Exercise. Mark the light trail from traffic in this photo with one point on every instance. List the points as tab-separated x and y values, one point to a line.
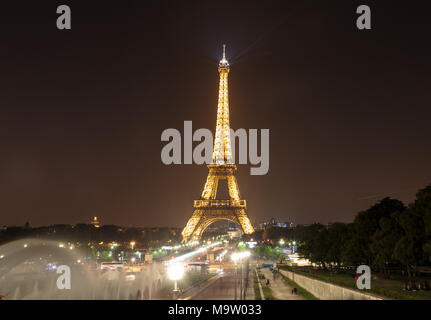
193	253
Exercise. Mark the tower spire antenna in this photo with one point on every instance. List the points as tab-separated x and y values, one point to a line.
223	62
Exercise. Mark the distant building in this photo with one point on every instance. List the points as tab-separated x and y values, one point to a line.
95	222
275	223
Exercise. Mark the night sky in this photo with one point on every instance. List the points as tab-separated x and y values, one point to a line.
82	111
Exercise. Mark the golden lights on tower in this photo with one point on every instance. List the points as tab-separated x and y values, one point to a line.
208	209
95	222
222	153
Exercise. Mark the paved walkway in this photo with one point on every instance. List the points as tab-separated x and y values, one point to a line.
280	289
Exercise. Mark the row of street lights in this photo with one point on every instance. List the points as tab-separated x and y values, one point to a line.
239	257
176	268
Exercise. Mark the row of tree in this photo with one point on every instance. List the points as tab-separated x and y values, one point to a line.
88	233
265	251
388	233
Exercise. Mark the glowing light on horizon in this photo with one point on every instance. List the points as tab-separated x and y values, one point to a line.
240	255
193	253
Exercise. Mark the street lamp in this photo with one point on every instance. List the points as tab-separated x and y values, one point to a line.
235	258
132	244
238	257
175	273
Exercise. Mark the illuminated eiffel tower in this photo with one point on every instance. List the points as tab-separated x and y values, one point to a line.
208	209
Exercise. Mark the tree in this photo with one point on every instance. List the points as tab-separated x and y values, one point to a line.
320	248
322	245
411	248
336	236
384	240
364	226
307	238
422	206
268	252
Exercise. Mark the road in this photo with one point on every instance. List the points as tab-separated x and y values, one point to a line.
223	288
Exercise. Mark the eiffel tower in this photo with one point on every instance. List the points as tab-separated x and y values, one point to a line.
208	209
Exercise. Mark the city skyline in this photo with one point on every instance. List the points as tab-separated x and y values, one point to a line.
211	158
83	110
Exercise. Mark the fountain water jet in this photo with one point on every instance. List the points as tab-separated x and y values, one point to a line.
28	271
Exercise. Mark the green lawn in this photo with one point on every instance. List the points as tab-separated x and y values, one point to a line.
256	289
266	290
301	291
384	287
267	293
